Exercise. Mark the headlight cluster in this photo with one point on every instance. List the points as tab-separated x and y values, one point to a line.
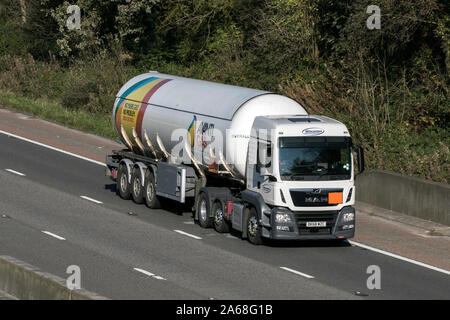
282	218
349	217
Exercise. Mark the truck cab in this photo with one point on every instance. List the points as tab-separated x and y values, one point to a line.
300	174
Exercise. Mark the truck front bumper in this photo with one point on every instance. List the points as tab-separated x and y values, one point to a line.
334	225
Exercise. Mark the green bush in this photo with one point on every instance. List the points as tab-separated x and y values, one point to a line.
389	86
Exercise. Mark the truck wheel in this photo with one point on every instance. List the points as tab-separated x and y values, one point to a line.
122	183
203	211
151	199
253	228
220	224
137	191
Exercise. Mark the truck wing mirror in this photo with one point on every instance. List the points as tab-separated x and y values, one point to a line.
360	159
264	158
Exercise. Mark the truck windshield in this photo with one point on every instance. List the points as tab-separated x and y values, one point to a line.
315	158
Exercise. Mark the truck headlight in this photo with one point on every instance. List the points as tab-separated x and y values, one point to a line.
282	218
349	217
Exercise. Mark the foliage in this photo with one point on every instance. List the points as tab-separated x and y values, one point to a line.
389	86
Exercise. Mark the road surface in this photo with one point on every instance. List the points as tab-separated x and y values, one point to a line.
57	210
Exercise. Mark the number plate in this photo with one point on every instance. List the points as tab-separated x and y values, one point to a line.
315	224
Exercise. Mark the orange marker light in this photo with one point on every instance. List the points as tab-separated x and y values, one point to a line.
335	197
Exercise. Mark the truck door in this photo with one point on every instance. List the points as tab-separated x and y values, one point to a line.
259	166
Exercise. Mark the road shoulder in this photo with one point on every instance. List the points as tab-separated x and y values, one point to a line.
421	240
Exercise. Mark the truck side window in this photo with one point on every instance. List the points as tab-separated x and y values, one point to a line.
267	162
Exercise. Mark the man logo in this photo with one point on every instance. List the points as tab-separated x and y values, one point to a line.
313	131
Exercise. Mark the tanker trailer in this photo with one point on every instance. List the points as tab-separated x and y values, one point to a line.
250	160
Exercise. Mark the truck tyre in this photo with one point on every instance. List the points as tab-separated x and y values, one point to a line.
254	231
220	224
122	183
137	191
204	211
151	199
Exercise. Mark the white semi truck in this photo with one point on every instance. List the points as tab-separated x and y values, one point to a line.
250	160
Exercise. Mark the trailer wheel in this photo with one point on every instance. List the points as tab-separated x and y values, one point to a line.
254	231
151	199
204	210
137	191
220	224
122	183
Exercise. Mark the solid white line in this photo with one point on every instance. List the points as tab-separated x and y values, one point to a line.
187	234
298	273
149	274
92	200
53	235
15	172
51	148
396	256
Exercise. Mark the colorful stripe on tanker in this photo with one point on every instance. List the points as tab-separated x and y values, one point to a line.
132	104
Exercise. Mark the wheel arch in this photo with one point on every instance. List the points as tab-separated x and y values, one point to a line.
263	211
142	167
129	166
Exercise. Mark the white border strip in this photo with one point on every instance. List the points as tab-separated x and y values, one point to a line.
15	172
52	148
298	273
188	234
396	256
90	199
53	235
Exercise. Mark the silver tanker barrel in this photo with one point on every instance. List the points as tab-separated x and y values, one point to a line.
151	106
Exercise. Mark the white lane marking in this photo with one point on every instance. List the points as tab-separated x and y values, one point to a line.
92	200
188	234
52	148
53	235
15	172
396	256
149	274
298	273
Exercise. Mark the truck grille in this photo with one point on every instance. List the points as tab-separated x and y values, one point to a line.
311	197
328	216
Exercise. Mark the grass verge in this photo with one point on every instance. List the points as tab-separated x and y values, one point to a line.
99	124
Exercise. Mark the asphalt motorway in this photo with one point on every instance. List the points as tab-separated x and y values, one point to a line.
57	210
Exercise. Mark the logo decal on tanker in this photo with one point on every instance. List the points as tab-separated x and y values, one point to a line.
313	131
202	129
132	104
191	131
